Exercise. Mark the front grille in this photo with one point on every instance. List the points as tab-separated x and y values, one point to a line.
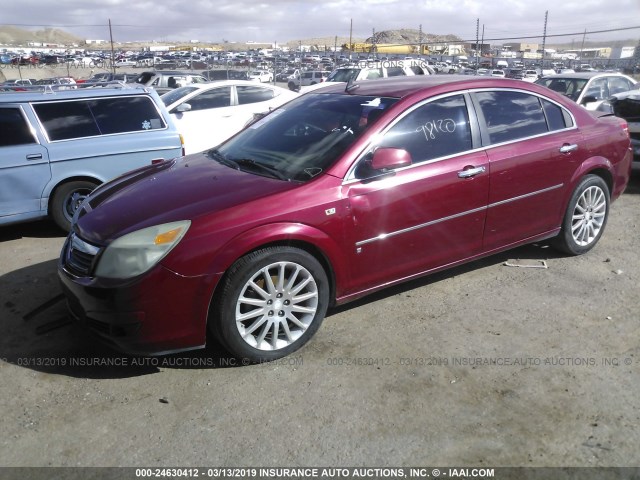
80	256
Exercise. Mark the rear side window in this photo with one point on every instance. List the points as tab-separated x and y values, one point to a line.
557	117
102	116
14	129
374	73
511	115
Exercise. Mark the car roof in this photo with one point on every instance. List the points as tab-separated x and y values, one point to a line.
209	84
399	87
583	75
37	95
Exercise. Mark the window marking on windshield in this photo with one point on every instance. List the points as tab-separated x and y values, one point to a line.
313	171
372	103
434	127
146	125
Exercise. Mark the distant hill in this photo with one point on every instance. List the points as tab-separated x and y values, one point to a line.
20	36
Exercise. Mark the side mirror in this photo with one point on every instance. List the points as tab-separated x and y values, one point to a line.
183	107
386	158
589	99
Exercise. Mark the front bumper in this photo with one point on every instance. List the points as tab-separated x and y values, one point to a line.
157	313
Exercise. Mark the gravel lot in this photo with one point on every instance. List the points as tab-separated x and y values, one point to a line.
484	365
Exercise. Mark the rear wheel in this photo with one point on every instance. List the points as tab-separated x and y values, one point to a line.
272	302
585	218
66	200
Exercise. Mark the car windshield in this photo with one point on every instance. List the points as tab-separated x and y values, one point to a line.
302	139
176	94
571	87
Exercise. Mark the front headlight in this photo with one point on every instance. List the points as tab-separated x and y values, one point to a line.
137	252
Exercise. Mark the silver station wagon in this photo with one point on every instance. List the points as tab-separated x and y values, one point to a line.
57	146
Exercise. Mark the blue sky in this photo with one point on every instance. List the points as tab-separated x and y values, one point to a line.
285	20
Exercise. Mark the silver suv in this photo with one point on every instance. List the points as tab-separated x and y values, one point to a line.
311	77
165	80
367	70
58	146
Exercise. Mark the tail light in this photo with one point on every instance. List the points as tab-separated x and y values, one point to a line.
625	127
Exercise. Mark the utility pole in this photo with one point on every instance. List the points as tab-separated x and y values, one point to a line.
420	46
544	37
113	54
584	35
374	48
350	40
477	46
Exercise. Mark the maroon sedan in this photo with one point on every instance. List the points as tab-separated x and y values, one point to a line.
341	192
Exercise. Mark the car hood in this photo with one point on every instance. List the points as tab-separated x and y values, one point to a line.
181	189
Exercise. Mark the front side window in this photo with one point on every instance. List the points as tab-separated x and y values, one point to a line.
103	116
619	85
14	128
176	94
395	72
436	129
252	94
511	115
214	98
597	89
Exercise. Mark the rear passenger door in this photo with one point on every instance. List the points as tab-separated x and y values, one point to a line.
533	147
24	164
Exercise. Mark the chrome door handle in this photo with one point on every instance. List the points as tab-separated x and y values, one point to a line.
34	156
568	148
470	172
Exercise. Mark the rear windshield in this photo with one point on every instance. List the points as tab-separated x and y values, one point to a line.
98	116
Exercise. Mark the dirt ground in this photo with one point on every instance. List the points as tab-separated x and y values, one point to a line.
484	365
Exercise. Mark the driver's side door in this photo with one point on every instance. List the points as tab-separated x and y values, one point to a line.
426	215
207	123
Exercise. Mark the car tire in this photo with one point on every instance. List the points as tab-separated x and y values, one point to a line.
66	200
292	86
585	218
270	303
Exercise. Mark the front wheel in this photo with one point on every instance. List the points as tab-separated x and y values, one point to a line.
66	200
585	218
271	303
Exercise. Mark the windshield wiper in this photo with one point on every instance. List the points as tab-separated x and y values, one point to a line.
252	163
216	155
